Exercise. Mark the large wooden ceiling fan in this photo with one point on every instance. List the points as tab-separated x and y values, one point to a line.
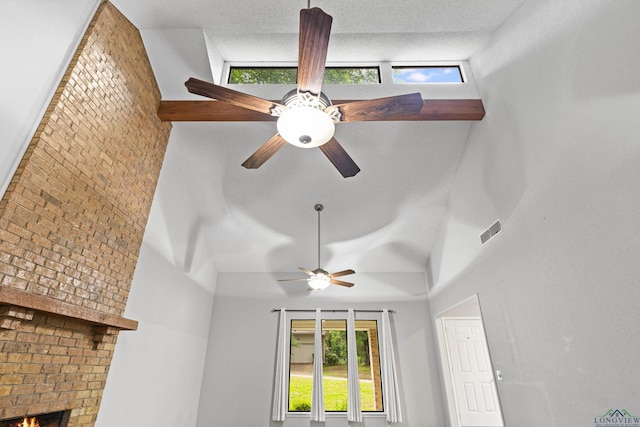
306	116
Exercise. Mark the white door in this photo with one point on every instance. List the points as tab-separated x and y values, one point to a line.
473	383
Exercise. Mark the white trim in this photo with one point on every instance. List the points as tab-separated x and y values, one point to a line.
280	394
446	373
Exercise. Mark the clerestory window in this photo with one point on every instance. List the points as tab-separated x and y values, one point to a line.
426	75
289	75
354	75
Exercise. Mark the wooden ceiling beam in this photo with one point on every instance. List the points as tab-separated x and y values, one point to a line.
216	111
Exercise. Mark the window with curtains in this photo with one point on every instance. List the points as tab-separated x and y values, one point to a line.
335	363
334	357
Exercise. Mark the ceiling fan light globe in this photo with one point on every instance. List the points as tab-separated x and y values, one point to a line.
305	127
319	282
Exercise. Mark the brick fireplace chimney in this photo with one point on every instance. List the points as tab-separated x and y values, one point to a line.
71	226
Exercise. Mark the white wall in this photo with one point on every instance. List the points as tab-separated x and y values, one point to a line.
37	40
557	159
238	379
156	372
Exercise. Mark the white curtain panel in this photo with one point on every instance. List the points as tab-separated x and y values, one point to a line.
280	382
391	392
317	391
354	414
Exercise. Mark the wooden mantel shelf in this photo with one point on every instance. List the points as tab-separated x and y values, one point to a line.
17	305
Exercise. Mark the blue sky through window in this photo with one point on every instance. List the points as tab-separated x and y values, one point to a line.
446	74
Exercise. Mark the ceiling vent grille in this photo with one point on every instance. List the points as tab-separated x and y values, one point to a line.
490	232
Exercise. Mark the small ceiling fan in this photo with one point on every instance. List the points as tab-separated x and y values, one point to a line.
320	279
306	116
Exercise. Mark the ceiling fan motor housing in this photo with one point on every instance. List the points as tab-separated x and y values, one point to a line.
293	98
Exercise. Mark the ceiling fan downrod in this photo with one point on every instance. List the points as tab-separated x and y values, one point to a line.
318	208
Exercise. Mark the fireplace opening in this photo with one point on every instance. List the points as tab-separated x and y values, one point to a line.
52	419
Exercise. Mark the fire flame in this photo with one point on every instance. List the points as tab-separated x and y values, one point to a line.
29	422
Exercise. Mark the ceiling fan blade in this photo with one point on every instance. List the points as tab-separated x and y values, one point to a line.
341	273
302	279
339	157
233	97
341	283
265	152
315	29
379	109
306	270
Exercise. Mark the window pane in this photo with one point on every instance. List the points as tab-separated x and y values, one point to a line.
263	75
301	365
446	74
369	365
351	75
334	365
288	75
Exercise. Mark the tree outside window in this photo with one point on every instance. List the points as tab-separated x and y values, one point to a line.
289	75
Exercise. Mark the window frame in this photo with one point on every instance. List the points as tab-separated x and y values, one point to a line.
329	315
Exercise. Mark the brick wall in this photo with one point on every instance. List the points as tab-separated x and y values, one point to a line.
72	222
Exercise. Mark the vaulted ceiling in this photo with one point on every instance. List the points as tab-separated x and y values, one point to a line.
209	209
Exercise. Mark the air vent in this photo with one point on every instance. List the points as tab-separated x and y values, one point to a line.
490	232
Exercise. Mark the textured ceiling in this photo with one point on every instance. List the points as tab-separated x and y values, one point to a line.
412	30
209	209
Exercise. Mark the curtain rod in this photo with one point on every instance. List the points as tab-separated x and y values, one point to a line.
275	310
